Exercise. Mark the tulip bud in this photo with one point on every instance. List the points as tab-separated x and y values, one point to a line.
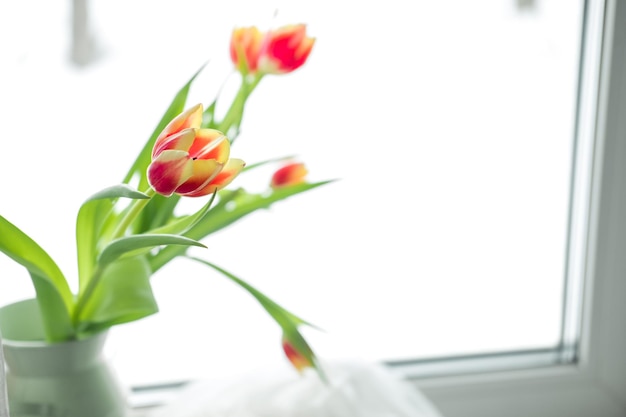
278	51
291	174
298	359
191	161
285	49
245	45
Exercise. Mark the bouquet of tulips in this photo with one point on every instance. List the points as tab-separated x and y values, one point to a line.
126	233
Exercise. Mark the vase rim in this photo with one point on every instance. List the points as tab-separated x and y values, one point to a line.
41	342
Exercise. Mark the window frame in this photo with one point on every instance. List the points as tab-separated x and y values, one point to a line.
594	384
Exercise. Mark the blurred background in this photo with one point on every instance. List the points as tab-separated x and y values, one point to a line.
449	126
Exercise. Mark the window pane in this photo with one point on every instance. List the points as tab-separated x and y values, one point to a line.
449	126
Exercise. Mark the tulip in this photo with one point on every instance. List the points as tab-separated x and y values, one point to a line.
245	46
291	174
278	51
191	161
285	49
298	358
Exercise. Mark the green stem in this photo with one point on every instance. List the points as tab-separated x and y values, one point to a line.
235	112
134	209
86	295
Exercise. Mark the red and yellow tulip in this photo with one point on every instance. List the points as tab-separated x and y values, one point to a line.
278	51
191	161
291	174
299	360
245	46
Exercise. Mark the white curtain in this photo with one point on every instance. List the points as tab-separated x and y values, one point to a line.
354	389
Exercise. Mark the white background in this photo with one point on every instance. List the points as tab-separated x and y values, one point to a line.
449	127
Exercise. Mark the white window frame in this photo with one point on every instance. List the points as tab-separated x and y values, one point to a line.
595	383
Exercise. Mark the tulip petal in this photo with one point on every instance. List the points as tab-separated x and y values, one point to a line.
290	174
285	49
169	170
210	144
204	170
245	45
228	173
190	118
298	351
181	141
303	51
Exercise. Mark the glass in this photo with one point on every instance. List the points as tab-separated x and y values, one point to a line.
449	125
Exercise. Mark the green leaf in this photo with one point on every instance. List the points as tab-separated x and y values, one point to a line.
208	117
124	245
89	225
124	295
117	191
55	317
267	161
184	223
288	321
53	292
123	248
158	212
176	107
242	203
233	205
280	314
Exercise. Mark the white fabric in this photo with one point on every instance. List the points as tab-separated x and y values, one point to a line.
355	389
4	402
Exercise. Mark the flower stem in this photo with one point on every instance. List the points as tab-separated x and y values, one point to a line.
134	209
235	112
86	295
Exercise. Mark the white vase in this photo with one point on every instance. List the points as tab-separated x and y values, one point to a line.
67	379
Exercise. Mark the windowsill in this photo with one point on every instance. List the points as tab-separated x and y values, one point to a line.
143	399
565	390
359	387
554	391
